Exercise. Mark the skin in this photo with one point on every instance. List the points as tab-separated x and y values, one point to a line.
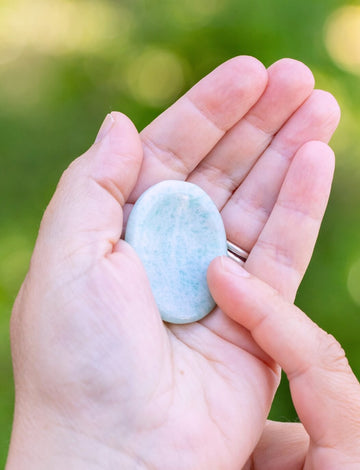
324	389
101	381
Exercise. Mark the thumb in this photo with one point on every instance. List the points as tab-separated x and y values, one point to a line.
85	213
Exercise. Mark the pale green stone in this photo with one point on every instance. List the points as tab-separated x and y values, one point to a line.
176	230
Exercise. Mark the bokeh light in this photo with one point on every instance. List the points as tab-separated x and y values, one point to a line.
342	37
60	27
155	76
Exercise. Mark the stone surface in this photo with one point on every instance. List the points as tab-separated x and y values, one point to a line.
176	230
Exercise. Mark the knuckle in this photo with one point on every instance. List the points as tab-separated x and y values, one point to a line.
333	356
72	169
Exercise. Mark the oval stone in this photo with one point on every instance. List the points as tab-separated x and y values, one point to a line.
176	230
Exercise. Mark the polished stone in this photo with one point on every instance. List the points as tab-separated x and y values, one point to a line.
176	230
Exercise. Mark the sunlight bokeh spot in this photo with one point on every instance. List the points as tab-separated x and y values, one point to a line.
155	77
353	282
60	27
342	37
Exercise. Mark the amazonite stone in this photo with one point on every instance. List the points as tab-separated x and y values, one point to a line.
176	230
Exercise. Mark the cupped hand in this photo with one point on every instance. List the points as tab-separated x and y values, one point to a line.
100	380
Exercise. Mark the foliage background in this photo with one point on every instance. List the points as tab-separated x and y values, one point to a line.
65	64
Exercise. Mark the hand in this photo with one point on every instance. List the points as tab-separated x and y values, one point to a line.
100	379
325	392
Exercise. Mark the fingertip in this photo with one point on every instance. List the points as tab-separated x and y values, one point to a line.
328	108
232	267
293	71
125	134
123	120
224	278
316	161
115	158
248	66
249	63
332	102
319	150
105	128
214	265
229	91
117	131
224	265
213	272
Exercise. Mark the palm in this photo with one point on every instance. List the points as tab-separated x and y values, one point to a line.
204	388
190	384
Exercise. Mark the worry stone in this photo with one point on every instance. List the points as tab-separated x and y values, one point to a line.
176	230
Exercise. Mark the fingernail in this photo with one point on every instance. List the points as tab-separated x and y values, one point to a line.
105	128
233	267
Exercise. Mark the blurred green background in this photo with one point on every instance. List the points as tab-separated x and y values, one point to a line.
65	64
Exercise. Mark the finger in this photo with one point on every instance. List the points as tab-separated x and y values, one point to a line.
184	134
247	211
219	174
230	331
284	248
325	392
85	213
283	446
